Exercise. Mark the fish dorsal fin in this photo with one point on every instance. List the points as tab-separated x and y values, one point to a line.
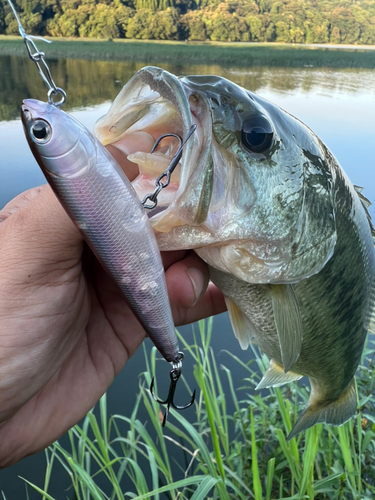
243	329
288	323
336	412
275	376
366	203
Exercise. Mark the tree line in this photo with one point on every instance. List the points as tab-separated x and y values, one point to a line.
295	21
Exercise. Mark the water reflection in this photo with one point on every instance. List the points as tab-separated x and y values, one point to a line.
338	105
92	82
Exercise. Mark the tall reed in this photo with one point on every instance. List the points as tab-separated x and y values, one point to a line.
221	456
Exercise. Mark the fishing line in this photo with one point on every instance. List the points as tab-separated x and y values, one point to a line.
38	58
162	181
150	201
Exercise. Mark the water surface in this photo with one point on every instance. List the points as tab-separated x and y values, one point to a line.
338	105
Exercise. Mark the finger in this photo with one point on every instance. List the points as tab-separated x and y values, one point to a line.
187	282
211	303
170	258
38	215
187	279
19	202
38	238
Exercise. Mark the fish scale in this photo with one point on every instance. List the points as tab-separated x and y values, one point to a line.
288	238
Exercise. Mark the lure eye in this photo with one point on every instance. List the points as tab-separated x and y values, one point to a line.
40	132
257	134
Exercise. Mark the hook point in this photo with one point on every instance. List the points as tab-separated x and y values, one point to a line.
174	376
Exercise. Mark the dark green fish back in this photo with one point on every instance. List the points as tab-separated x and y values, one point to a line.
334	302
336	307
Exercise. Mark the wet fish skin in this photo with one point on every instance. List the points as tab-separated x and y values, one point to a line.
318	215
100	200
286	235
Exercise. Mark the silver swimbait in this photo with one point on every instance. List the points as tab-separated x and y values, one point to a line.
100	200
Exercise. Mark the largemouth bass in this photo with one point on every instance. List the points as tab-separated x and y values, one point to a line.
100	200
262	200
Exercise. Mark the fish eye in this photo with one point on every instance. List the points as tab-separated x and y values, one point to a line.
40	132
257	134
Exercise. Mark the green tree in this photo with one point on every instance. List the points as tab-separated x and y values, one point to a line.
228	27
32	23
297	21
282	32
72	22
317	34
139	25
271	32
368	35
193	27
2	18
124	14
335	35
296	35
349	28
151	5
165	25
103	22
256	28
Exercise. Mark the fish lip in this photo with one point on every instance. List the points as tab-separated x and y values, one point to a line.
175	92
165	83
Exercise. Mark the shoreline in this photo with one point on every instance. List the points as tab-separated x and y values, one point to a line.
224	53
199	43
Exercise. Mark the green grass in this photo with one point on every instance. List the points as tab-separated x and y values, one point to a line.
221	456
245	54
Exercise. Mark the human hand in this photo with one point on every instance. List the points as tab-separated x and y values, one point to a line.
65	329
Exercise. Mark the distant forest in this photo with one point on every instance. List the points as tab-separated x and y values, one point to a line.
295	21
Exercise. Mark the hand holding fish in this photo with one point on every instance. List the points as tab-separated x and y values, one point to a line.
65	329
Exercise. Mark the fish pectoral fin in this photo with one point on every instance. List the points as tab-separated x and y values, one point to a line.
243	329
288	323
275	376
336	412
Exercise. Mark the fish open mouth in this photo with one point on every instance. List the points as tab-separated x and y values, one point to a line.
154	103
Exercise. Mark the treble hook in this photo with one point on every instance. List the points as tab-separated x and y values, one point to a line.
174	375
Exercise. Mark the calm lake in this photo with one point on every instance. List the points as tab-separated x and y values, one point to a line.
338	105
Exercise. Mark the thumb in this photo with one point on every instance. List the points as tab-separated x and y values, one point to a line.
37	236
19	202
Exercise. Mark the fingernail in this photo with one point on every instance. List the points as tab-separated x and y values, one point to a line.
197	280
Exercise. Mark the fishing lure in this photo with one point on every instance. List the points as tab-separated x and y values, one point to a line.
100	200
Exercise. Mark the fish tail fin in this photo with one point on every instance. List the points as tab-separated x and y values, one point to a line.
336	412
